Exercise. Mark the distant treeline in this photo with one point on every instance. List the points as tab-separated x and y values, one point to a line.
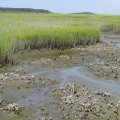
5	9
83	13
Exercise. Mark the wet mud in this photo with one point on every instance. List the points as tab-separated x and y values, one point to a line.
82	83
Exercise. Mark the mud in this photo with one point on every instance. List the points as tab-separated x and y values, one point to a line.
74	84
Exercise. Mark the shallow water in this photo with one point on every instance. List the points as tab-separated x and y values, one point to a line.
78	74
82	75
118	45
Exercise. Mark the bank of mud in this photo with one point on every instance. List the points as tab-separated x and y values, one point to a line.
79	83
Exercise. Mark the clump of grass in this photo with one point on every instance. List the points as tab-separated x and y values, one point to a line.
57	37
112	27
47	37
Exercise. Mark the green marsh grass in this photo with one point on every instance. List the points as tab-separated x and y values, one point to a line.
23	31
45	37
114	27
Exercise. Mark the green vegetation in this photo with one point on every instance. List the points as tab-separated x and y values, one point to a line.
111	28
29	31
30	10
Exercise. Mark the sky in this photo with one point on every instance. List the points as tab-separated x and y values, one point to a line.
67	6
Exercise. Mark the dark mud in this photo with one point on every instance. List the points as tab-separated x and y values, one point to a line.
76	84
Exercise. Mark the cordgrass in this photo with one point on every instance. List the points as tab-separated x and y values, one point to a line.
45	37
23	31
111	28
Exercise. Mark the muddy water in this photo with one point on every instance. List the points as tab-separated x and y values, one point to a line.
52	71
78	74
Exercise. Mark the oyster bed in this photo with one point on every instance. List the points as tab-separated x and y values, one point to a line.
79	102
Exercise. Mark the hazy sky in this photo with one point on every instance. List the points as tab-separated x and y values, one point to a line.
67	6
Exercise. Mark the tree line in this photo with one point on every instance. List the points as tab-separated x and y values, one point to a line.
5	9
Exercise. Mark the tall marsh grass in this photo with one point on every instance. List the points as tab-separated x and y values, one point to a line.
46	37
114	27
23	31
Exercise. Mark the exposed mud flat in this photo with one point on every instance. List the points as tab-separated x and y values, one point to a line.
79	83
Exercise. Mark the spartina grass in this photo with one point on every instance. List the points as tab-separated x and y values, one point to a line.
111	28
49	38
